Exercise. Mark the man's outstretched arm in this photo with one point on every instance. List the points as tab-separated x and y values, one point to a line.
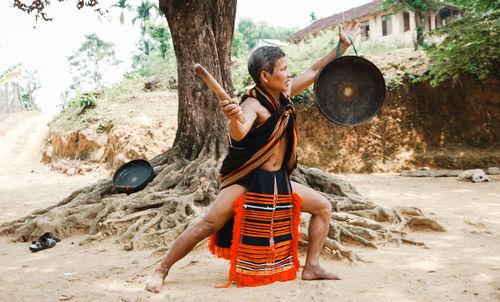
305	79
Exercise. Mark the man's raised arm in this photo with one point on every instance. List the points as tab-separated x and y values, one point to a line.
305	79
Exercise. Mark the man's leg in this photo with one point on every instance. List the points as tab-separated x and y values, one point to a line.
220	212
320	209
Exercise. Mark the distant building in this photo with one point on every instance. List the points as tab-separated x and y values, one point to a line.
379	24
267	42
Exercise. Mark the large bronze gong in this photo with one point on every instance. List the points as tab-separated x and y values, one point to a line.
349	90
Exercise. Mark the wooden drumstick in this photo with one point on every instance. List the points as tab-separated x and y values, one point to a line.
212	83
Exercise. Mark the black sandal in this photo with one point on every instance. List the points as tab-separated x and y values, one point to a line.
50	236
47	240
35	247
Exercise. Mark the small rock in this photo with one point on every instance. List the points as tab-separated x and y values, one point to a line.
476	294
127	246
135	262
493	170
152	83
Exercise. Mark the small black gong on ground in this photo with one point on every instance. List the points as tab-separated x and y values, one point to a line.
349	90
133	176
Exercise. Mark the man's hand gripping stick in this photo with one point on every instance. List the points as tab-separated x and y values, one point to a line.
212	83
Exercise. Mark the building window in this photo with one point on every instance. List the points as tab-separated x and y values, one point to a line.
365	27
406	20
386	25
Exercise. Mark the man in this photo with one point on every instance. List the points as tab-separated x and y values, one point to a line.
261	240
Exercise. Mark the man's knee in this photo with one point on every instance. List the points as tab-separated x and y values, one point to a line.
324	209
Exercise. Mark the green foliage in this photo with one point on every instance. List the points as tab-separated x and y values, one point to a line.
476	7
154	62
91	59
313	17
301	56
156	56
81	101
87	100
28	81
28	84
161	35
470	45
123	5
78	112
143	14
242	81
248	33
130	84
411	5
240	46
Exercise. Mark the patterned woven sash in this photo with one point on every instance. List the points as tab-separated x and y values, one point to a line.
256	148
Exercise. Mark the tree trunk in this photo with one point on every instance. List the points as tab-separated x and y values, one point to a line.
419	42
202	33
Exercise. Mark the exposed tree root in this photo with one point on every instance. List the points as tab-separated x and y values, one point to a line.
180	195
357	219
426	222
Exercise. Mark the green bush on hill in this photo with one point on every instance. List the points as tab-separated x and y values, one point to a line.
471	45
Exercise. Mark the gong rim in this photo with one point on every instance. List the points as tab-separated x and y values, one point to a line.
369	72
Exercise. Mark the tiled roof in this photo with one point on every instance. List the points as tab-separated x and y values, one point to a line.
328	22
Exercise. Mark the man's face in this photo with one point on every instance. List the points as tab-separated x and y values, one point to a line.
280	79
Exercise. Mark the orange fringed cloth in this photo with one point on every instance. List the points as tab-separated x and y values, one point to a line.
265	232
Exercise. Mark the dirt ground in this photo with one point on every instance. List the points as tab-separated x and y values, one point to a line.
462	264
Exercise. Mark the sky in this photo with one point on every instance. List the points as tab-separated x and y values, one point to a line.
45	46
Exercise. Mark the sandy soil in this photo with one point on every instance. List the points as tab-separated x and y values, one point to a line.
462	264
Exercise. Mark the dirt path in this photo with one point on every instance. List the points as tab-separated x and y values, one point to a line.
21	136
462	264
27	183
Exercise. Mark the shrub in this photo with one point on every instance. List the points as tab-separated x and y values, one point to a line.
471	45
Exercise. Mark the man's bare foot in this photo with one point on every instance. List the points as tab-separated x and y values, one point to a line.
155	282
317	272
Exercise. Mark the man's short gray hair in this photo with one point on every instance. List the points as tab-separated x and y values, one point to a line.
263	59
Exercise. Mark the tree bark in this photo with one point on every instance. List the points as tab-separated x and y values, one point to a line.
202	33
